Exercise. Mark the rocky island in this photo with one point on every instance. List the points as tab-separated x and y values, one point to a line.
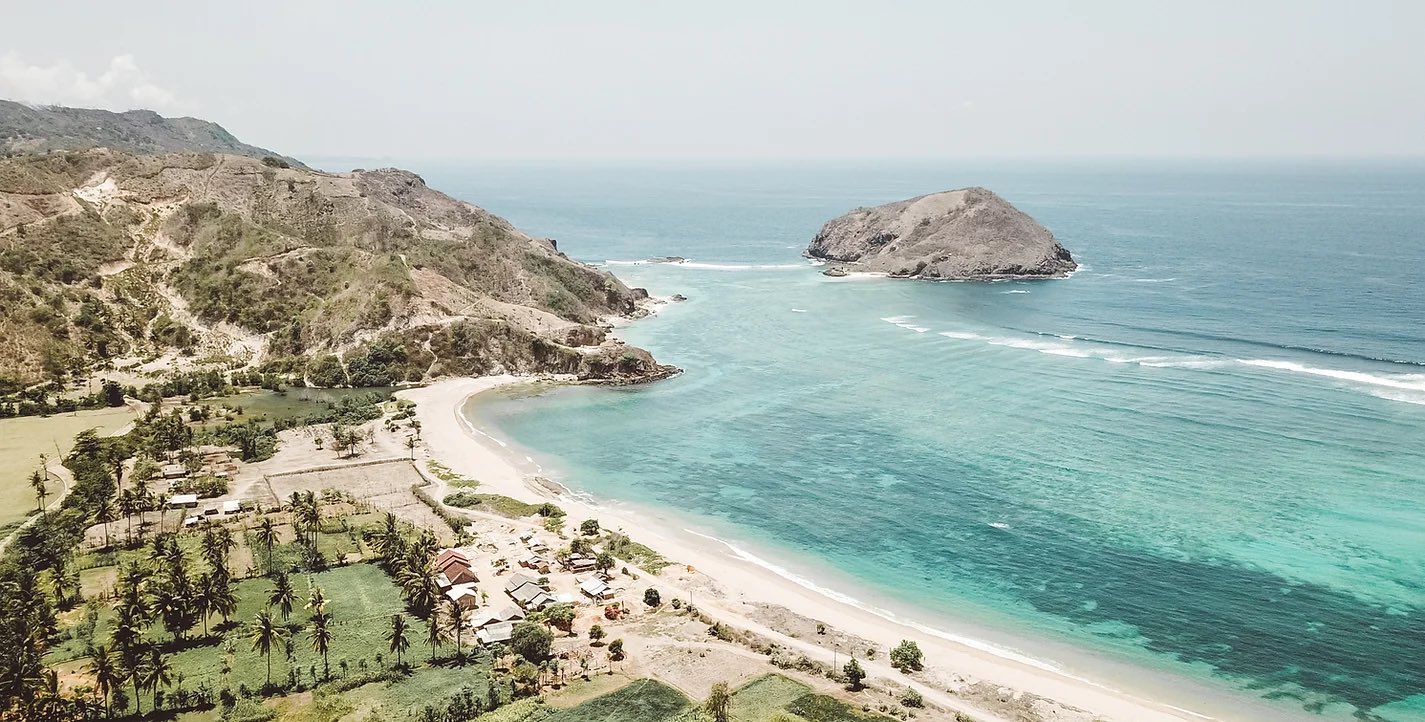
965	234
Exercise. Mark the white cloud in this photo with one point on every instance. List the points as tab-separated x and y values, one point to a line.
123	85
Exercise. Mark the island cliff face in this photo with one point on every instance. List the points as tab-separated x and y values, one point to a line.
964	234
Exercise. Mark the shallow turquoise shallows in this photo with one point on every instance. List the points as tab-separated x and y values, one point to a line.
1206	449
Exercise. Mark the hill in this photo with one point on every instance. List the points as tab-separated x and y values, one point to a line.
110	256
36	129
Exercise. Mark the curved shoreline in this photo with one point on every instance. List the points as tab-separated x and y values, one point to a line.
457	443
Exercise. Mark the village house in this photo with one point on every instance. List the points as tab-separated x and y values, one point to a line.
496	633
595	588
507	613
464	595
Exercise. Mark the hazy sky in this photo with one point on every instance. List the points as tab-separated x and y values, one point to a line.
608	79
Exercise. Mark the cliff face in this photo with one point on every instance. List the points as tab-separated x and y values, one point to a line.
969	233
36	129
110	256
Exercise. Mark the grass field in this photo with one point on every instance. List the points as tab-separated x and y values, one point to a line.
293	403
22	441
644	700
762	698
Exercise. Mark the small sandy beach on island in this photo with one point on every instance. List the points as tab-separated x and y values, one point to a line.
736	591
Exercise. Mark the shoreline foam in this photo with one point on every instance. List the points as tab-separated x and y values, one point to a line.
457	442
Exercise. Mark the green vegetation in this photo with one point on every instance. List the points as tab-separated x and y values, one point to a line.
824	708
765	696
443	472
622	547
493	503
907	657
643	700
23	440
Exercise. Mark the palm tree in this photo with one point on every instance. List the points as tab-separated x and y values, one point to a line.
421	588
456	622
128	504
105	514
157	673
37	482
221	598
317	601
433	633
106	675
397	637
266	634
322	639
411	445
281	595
267	536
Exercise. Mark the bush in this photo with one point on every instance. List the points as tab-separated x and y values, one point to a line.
907	657
651	597
912	698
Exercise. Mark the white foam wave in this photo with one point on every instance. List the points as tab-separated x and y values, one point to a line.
799	310
1401	382
1017	290
1154	280
904	322
886	614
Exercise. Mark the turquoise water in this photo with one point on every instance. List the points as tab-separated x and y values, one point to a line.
1208	445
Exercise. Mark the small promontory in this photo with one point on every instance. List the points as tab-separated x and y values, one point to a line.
966	234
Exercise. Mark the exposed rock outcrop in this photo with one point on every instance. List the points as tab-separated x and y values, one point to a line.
969	233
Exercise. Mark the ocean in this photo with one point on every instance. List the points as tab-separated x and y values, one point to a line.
1203	453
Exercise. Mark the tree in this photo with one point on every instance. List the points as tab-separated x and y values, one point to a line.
106	513
433	633
221	598
37	482
719	699
281	595
396	638
596	632
107	675
266	634
651	597
590	527
266	536
322	639
907	657
616	649
531	641
456	622
561	616
157	673
854	674
605	562
411	446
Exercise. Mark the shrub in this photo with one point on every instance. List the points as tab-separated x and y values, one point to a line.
651	597
907	657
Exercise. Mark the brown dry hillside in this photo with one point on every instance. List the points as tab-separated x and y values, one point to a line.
107	254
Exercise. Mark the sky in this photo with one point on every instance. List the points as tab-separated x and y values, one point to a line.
733	80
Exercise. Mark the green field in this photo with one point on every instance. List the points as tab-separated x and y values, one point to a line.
22	441
293	403
762	698
644	700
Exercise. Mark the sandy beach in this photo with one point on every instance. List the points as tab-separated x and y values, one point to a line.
734	589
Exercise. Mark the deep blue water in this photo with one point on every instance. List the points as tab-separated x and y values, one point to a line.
1208	445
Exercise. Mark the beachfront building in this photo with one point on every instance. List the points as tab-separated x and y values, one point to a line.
580	564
